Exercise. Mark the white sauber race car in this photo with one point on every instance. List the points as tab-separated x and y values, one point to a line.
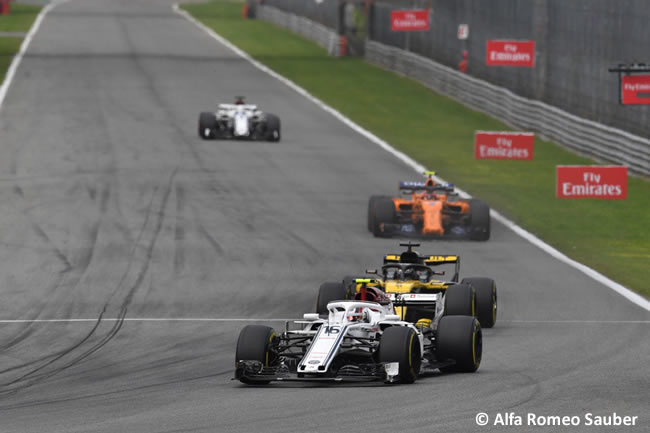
361	340
239	121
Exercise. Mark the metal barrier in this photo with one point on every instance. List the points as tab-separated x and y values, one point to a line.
323	36
583	136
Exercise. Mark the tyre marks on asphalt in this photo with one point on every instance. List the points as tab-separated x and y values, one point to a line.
34	371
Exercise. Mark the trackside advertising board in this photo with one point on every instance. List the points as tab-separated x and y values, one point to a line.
635	89
510	53
414	20
592	181
504	145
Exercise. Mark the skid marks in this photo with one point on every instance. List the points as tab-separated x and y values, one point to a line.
35	371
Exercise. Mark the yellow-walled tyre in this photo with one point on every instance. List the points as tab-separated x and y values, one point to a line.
459	338
401	344
486	300
254	344
460	300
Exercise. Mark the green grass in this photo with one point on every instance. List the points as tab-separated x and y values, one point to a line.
610	236
8	47
20	18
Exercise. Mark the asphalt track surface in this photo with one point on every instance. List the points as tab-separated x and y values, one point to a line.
111	208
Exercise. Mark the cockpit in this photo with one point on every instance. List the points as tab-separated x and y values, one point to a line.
407	272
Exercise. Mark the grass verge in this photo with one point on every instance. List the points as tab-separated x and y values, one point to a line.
610	236
20	19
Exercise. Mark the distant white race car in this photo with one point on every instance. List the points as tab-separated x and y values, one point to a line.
360	341
239	121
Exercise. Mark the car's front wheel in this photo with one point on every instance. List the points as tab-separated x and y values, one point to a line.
207	126
254	344
401	344
459	338
486	300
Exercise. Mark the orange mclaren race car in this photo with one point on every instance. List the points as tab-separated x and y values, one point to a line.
429	209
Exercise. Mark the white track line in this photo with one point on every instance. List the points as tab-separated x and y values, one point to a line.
257	319
148	319
577	321
618	288
11	72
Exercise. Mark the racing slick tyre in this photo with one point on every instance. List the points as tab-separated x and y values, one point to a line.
329	292
401	344
272	127
384	214
459	338
207	126
254	344
486	300
479	220
371	209
460	300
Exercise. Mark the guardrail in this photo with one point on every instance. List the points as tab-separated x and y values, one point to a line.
583	136
323	36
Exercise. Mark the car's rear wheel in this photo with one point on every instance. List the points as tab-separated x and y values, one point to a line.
254	344
385	213
329	292
371	209
272	127
207	126
486	299
459	338
401	344
460	300
479	220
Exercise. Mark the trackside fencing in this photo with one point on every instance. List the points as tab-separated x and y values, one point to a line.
580	135
323	36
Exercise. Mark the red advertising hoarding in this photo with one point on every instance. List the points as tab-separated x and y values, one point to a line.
504	145
635	89
592	181
413	20
510	53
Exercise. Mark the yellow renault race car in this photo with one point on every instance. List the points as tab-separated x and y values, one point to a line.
411	272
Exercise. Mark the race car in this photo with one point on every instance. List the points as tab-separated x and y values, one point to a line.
239	121
432	210
359	340
413	273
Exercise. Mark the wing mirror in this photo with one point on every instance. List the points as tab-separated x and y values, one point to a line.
371	271
311	316
438	272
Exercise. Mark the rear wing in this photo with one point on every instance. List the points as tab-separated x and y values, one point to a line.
445	260
233	106
440	260
431	261
422	186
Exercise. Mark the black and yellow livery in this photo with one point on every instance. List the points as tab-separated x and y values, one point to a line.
411	272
